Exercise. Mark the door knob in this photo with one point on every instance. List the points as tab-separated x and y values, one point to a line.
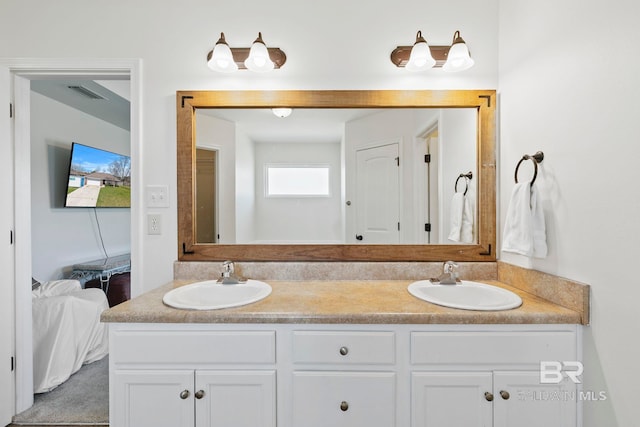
505	394
344	406
199	394
359	237
344	351
184	394
488	396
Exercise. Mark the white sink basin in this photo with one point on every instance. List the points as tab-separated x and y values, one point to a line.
210	295
466	295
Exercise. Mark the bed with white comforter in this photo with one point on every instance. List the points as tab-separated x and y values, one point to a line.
67	332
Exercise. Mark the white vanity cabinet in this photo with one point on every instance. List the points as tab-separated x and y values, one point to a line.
491	378
185	378
308	375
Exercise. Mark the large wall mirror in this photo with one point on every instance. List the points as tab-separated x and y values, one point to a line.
347	176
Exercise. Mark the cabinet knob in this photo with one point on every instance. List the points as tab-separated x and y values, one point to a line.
505	394
199	394
344	406
184	394
344	351
488	396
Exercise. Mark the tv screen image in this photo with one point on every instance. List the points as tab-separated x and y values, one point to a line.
98	178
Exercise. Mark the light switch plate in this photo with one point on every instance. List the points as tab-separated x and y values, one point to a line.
157	196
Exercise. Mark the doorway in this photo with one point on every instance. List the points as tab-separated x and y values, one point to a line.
15	86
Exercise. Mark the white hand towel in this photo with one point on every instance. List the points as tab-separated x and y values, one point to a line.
461	221
456	209
466	230
524	227
539	227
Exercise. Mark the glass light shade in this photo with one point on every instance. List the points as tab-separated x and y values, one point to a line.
420	57
282	112
259	60
458	58
221	58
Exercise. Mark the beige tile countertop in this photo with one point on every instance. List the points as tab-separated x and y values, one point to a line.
340	301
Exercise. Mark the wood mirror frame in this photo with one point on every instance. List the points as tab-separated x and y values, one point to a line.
483	100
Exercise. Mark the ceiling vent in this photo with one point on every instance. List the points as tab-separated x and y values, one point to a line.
86	92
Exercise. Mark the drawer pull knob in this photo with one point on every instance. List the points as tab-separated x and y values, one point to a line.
505	394
344	351
344	406
199	394
488	396
184	394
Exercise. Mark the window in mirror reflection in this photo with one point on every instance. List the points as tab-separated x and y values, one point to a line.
298	181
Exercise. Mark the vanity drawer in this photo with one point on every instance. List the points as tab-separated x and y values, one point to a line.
344	399
194	347
452	348
343	347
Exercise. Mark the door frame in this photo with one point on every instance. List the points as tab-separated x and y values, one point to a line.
421	192
15	76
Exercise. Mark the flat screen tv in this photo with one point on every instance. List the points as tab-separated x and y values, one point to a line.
98	179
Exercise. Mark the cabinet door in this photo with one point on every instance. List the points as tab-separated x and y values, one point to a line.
153	399
343	399
451	399
532	404
235	398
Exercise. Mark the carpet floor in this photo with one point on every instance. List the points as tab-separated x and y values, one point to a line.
81	400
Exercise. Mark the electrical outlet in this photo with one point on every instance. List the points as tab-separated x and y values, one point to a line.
157	196
154	224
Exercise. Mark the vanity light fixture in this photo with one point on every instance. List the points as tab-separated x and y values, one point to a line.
421	56
258	57
282	112
458	58
220	58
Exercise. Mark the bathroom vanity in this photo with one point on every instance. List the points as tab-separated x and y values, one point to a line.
341	353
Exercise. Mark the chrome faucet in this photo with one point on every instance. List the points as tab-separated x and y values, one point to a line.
449	274
228	276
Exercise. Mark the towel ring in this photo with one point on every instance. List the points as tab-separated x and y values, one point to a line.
467	177
536	158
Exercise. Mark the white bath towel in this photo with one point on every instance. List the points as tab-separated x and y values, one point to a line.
461	221
524	227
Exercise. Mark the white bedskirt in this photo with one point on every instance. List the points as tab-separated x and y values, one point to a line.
67	332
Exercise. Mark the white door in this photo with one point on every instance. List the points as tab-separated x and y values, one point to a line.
451	399
235	398
6	261
162	398
522	401
377	196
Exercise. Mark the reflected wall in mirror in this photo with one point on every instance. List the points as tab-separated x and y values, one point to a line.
388	175
377	199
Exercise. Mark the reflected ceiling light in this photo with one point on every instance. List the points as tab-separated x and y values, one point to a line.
282	112
458	58
258	58
421	56
221	58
